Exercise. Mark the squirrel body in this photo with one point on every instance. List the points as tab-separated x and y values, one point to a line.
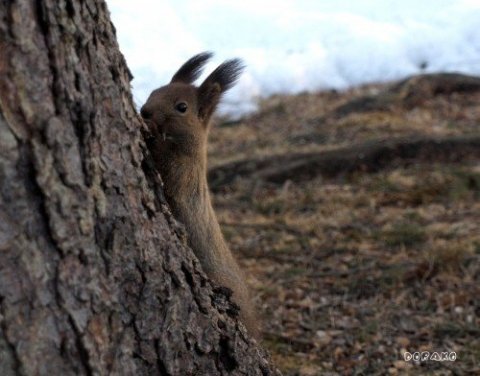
178	118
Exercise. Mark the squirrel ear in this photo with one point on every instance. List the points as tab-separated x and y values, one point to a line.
208	98
192	68
217	83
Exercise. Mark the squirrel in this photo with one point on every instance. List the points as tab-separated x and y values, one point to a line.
178	117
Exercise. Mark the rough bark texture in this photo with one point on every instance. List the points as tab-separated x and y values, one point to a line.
94	275
369	156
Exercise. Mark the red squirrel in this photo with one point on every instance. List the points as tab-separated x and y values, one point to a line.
178	117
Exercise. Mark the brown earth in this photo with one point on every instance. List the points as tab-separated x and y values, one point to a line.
351	267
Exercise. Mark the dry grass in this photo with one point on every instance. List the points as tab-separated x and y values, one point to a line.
350	273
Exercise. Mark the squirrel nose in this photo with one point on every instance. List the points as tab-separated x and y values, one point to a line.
146	114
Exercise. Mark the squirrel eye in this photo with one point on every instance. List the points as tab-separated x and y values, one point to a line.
181	107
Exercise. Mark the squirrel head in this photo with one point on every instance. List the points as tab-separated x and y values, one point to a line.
178	114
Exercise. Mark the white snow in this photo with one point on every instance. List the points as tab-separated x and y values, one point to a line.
290	46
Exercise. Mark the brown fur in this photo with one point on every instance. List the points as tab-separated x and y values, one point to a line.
178	144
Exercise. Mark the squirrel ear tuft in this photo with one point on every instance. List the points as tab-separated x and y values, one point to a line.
226	75
217	83
192	68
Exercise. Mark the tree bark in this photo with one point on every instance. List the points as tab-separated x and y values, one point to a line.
95	276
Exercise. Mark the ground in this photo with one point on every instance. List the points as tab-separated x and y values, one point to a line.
350	272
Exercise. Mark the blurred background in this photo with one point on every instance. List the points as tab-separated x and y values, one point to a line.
345	167
293	46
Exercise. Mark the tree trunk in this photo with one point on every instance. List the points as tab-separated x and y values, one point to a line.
95	277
